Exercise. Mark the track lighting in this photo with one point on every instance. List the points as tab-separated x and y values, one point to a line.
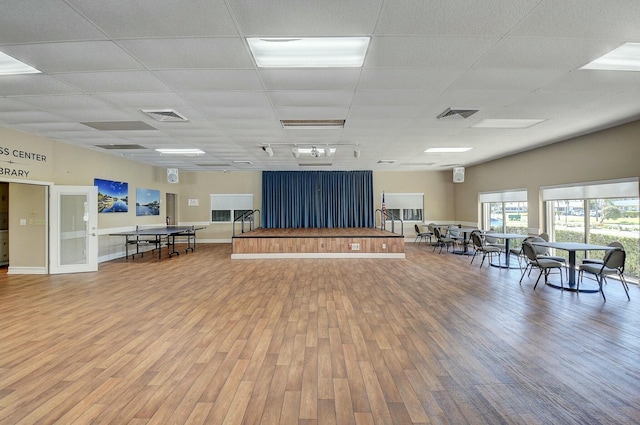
268	150
296	152
356	153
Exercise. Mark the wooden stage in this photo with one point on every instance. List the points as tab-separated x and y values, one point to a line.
318	243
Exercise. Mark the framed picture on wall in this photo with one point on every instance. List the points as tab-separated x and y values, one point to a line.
112	196
147	202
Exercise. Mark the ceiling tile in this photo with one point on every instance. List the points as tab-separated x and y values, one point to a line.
211	79
254	99
311	98
158	18
283	17
189	53
37	21
408	78
432	52
33	84
454	17
115	81
589	19
310	79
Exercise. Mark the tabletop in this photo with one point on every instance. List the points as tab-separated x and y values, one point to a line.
573	246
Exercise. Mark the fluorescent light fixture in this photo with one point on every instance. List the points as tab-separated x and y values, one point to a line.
12	66
624	58
507	123
312	124
447	150
180	151
309	52
386	161
243	162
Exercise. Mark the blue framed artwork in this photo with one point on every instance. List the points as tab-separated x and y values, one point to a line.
112	196
147	202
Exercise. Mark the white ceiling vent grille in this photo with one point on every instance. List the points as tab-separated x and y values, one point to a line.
165	115
456	113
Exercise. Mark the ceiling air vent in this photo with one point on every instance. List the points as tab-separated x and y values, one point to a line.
165	115
120	147
456	113
212	165
315	164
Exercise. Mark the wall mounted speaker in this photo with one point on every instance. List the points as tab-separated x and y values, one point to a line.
458	174
172	175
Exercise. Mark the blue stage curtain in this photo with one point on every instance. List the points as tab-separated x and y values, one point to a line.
312	199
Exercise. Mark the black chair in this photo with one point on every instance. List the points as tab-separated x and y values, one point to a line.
479	245
420	235
613	264
613	244
543	252
442	241
545	265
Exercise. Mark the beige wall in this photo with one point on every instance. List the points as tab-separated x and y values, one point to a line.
604	155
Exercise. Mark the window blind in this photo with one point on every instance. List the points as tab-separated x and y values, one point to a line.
243	201
627	188
518	195
404	200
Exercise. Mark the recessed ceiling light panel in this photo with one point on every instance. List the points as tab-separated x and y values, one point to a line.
312	124
309	52
447	150
12	66
624	58
187	152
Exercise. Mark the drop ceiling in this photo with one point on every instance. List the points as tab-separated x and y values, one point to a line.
108	62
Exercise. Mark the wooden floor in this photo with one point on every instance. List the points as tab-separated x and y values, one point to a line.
202	339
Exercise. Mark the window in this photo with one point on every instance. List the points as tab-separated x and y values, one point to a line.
225	206
405	206
505	211
596	213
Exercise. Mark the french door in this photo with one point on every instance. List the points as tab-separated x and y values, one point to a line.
73	241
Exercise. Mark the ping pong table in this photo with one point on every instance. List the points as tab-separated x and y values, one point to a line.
157	237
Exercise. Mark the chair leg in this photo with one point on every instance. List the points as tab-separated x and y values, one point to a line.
524	272
561	280
600	279
538	279
624	285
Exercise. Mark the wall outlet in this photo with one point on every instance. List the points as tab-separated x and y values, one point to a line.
384	246
354	246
